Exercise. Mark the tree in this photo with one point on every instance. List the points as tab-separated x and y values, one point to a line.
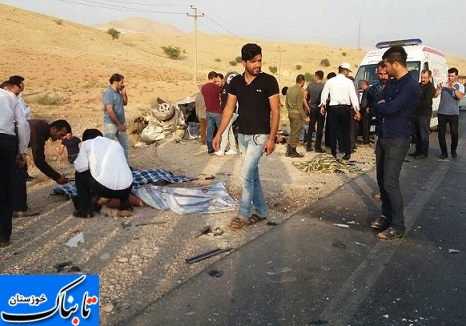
325	63
114	33
172	52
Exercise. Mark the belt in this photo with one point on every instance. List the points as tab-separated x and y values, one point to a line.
343	106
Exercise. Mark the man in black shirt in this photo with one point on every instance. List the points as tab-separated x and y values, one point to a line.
257	94
423	116
72	144
313	91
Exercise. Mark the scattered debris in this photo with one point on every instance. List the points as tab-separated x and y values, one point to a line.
73	242
453	251
206	255
386	316
271	223
207	230
351	222
279	270
341	225
67	267
215	273
211	177
338	243
360	244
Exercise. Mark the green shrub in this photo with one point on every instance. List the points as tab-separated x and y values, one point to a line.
49	100
309	77
218	60
298	67
58	21
114	33
343	54
238	59
273	69
172	52
325	63
232	63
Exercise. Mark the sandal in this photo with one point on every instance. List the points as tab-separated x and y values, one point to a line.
389	234
238	223
380	223
254	219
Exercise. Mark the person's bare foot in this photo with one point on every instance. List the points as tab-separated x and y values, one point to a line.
124	213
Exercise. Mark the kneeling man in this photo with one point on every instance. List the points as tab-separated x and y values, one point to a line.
101	169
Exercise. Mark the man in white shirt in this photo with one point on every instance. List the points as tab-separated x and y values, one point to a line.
101	169
343	99
11	150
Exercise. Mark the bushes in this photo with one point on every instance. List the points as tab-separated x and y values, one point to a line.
233	63
114	33
49	100
273	69
298	67
309	77
218	60
173	52
325	63
238	59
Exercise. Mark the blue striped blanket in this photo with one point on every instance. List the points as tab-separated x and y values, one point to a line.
140	178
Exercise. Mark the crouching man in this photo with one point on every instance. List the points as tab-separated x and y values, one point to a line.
101	169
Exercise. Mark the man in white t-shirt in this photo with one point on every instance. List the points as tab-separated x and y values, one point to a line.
101	169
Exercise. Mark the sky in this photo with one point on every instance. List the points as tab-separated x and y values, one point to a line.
337	22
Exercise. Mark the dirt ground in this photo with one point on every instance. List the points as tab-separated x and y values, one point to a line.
142	257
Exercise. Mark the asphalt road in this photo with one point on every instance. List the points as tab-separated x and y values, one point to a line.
309	271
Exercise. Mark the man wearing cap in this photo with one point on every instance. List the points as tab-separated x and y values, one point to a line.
343	99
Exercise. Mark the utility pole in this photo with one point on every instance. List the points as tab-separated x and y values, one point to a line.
359	35
195	16
280	50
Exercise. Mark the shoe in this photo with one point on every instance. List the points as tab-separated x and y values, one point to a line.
380	224
26	213
4	244
219	153
346	157
295	154
320	150
421	156
82	214
443	156
210	151
231	152
454	155
416	153
288	150
389	234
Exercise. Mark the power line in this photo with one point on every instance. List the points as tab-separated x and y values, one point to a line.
107	6
213	21
146	4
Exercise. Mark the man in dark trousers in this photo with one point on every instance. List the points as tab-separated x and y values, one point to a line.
423	116
41	131
313	92
397	107
211	93
343	99
71	143
13	149
101	169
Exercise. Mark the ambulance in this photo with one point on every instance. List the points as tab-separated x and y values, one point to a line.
420	57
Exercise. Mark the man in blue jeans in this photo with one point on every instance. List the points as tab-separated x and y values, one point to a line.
257	94
211	93
449	111
396	110
114	100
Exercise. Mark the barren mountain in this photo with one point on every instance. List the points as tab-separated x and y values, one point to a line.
140	25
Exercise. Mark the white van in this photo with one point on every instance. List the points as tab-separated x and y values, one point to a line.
420	57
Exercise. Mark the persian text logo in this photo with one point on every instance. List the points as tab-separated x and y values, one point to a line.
49	299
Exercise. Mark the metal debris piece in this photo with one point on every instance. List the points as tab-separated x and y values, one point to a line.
341	225
453	251
206	255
